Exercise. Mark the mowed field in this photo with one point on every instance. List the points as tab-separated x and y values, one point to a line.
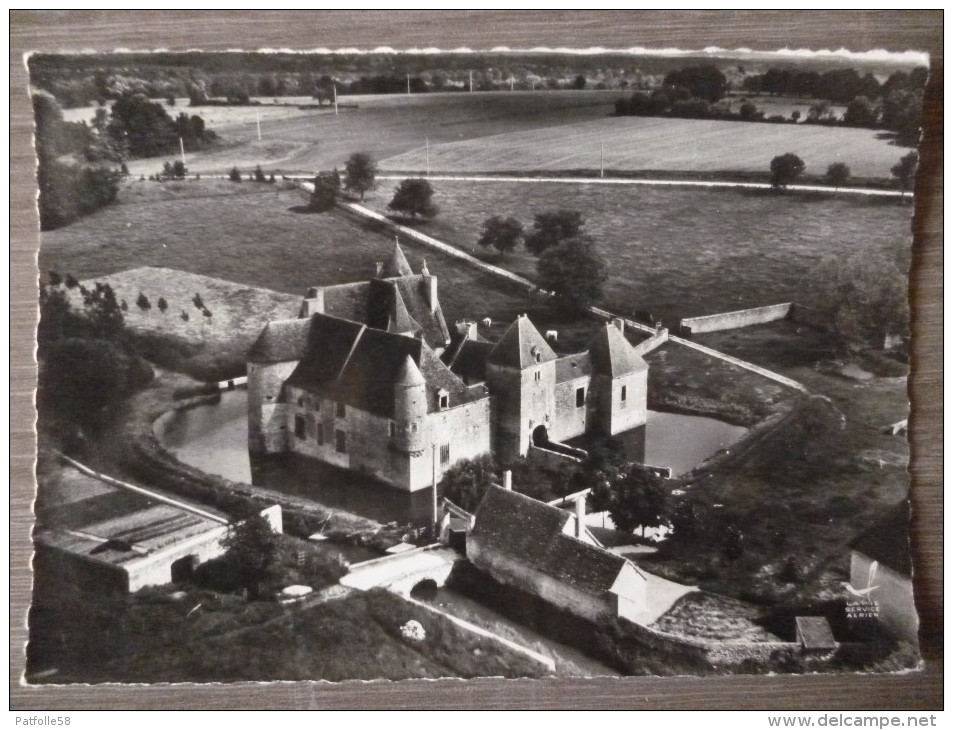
253	234
305	141
680	252
658	144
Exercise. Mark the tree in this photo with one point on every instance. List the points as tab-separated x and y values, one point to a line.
142	301
638	498
235	175
703	82
862	299
260	175
785	169
360	173
579	82
251	548
327	187
466	482
748	111
575	273
837	174
162	304
905	170
501	233
552	228
414	196
860	113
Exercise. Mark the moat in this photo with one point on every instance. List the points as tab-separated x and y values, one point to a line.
214	438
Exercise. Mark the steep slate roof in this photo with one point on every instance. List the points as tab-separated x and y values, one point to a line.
530	532
347	301
386	309
358	365
281	341
397	265
571	367
516	347
467	359
888	540
612	354
415	292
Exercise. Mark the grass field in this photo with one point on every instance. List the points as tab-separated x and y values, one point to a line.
645	144
256	235
684	252
306	141
213	637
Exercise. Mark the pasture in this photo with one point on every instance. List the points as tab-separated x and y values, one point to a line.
657	144
298	140
680	252
252	234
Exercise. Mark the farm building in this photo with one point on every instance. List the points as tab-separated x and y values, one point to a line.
370	378
549	552
881	573
121	543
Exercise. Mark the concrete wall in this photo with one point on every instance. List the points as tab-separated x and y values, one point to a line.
896	610
733	320
268	427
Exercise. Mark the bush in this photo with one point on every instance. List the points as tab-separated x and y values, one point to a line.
235	175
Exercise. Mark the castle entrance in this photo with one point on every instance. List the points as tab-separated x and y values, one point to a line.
540	436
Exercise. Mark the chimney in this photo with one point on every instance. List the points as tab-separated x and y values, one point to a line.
580	515
313	303
619	324
508	480
431	282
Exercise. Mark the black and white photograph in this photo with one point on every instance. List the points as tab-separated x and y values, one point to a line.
417	362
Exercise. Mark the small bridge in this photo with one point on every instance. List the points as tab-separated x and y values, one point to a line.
400	573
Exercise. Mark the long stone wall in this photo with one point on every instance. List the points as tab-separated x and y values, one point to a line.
734	320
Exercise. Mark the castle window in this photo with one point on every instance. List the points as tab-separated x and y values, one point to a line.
320	434
340	410
538	374
393	429
299	427
444	454
300	400
624	392
580	397
309	420
340	442
444	399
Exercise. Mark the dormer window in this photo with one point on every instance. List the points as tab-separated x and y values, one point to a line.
443	399
536	353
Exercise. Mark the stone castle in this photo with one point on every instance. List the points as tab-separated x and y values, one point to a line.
370	378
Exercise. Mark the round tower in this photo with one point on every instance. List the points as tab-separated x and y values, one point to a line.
410	408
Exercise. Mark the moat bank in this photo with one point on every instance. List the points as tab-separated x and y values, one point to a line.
213	438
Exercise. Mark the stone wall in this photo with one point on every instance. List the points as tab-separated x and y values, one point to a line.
518	574
734	320
570	420
267	419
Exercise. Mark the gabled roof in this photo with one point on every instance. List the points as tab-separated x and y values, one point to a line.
520	345
467	359
571	367
283	340
397	265
386	309
358	365
530	532
612	355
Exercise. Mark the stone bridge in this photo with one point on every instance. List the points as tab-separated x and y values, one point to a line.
400	573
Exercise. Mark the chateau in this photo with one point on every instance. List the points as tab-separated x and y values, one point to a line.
370	378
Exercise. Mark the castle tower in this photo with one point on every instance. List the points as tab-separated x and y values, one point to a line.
619	382
397	265
521	373
410	409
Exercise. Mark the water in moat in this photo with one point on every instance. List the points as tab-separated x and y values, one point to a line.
214	438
